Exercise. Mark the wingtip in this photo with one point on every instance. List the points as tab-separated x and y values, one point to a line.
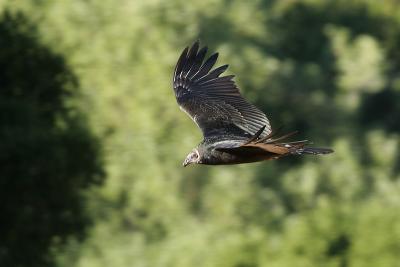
181	62
185	50
224	67
195	47
213	58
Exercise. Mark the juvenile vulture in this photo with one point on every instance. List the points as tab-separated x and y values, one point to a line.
234	130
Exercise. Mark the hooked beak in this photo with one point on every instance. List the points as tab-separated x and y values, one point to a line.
186	162
191	158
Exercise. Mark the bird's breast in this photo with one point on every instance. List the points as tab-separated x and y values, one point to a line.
215	157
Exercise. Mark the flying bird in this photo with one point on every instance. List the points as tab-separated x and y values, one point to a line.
234	131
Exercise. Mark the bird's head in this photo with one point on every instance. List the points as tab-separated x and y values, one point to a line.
192	157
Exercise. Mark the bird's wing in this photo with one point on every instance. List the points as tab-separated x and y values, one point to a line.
213	102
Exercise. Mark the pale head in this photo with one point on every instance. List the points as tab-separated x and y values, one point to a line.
192	157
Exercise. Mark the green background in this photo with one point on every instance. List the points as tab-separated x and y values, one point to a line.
92	139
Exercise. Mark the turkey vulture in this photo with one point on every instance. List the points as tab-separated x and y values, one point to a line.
234	130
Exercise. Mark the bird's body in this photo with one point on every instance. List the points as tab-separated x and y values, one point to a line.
211	155
234	130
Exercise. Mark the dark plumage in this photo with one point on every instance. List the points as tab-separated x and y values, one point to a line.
234	130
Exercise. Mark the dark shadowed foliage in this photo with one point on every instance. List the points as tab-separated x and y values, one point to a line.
47	154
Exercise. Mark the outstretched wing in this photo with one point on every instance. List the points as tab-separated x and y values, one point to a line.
213	102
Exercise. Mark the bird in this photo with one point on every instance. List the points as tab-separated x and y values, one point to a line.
234	130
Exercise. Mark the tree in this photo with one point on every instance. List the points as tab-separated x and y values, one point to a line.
48	155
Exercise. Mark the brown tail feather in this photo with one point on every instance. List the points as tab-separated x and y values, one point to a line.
285	148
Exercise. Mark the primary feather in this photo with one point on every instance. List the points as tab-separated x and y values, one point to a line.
214	102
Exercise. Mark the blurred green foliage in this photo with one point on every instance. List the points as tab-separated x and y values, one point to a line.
330	69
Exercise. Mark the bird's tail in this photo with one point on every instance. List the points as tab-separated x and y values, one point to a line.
311	151
289	148
301	148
